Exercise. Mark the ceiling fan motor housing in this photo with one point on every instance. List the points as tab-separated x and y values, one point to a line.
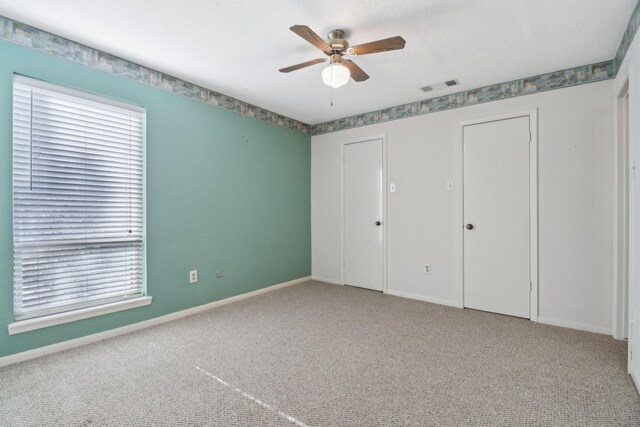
337	40
335	58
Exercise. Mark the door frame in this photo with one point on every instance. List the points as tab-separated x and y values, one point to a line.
383	137
533	202
621	248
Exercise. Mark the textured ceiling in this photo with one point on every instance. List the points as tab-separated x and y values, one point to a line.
236	47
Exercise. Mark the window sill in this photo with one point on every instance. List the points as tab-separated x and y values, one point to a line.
71	316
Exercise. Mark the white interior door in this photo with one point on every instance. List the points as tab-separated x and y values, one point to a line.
363	219
496	217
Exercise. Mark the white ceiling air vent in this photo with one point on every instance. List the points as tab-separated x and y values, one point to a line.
441	85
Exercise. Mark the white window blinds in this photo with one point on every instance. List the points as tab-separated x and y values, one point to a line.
77	199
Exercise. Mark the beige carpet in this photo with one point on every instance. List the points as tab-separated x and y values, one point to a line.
318	354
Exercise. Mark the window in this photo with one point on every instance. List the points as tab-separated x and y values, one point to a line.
78	198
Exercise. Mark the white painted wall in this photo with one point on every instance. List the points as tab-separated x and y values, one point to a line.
424	220
629	69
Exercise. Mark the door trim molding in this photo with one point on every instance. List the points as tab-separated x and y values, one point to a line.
385	232
533	202
621	147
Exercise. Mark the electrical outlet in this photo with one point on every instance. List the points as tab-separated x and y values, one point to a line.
218	274
427	269
193	276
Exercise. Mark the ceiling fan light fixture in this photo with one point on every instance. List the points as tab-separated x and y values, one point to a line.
335	75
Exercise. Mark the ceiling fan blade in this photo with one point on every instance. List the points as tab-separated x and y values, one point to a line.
302	65
384	45
308	34
356	72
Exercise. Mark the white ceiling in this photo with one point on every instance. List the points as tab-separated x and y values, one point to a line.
237	46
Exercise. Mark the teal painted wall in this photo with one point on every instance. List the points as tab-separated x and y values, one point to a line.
224	192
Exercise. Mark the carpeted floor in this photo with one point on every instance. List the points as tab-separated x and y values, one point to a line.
318	354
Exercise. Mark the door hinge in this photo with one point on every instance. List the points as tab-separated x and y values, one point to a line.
530	286
530	137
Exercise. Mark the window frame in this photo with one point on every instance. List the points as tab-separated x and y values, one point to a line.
83	312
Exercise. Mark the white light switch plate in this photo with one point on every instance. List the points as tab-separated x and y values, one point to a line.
392	188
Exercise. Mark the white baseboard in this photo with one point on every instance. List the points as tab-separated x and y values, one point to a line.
423	298
575	325
635	381
322	279
77	342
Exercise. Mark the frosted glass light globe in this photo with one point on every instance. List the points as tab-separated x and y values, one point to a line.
336	75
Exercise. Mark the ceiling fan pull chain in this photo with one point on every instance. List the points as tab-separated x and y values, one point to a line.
331	88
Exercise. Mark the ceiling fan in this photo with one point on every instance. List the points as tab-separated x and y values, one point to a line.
340	69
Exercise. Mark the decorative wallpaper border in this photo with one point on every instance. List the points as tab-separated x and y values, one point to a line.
33	38
527	86
629	34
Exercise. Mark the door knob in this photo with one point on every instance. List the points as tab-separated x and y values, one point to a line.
378	223
469	226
